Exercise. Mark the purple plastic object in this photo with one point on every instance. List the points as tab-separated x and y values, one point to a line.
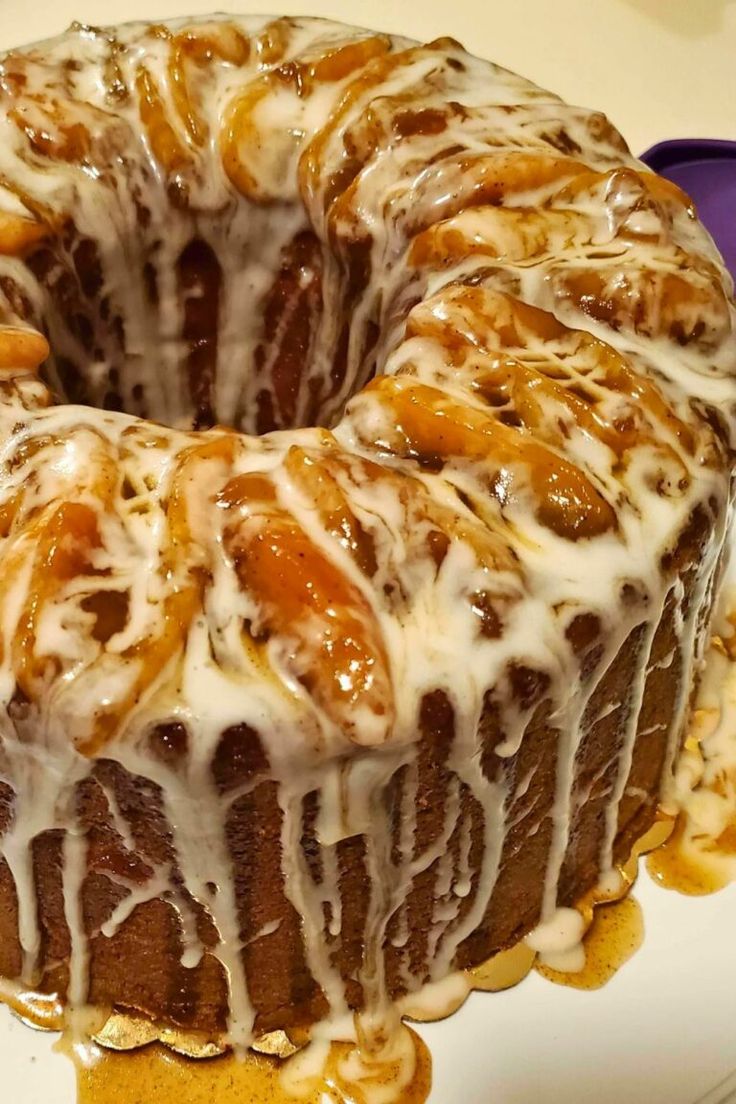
706	169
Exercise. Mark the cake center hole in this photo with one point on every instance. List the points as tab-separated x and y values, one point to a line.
195	334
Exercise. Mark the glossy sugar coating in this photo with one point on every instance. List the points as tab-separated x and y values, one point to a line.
489	361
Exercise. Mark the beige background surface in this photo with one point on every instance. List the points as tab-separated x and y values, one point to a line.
659	68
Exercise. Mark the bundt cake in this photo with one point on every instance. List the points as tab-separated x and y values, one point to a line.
367	423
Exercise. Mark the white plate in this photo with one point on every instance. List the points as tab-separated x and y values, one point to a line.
663	1031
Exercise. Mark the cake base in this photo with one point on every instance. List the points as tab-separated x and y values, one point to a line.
285	1066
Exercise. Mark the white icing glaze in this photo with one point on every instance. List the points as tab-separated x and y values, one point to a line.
577	453
559	941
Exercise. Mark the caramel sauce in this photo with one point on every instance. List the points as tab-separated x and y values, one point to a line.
615	934
157	1073
43	1011
349	1075
694	870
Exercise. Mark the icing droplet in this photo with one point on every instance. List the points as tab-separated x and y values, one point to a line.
616	933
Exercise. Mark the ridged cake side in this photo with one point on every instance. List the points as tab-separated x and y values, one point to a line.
295	723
